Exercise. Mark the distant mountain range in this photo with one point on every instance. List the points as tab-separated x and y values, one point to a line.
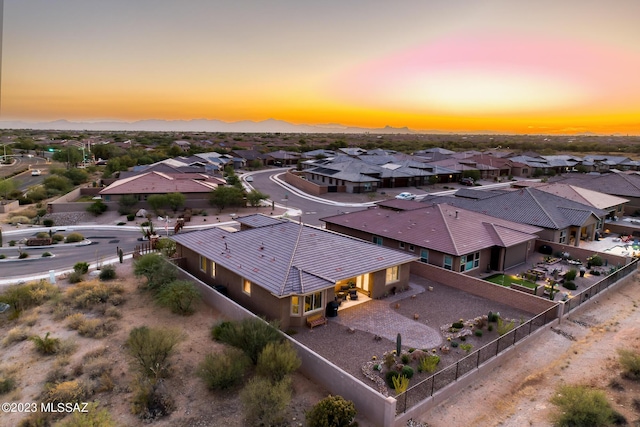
204	125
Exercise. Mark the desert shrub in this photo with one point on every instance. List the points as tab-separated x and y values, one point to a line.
46	254
131	217
407	371
630	362
250	334
112	312
505	327
493	317
88	294
23	255
400	384
2	256
581	406
405	358
570	285
42	235
277	360
21	297
75	320
75	277
457	325
96	367
595	272
389	376
66	392
57	237
7	383
429	363
570	275
596	260
220	330
389	360
19	219
221	371
332	411
157	271
74	238
490	328
66	348
48	222
151	349
93	417
108	272
97	208
95	328
81	267
481	322
179	296
46	345
167	247
151	400
455	344
12	242
466	347
478	332
17	334
264	402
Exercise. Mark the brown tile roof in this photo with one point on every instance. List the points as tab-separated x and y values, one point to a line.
159	183
439	227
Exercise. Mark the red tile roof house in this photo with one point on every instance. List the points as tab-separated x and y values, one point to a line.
195	187
449	237
289	271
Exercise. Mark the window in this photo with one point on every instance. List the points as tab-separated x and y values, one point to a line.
412	248
448	262
295	305
377	240
203	264
424	255
401	245
392	274
563	236
470	261
246	286
313	302
213	269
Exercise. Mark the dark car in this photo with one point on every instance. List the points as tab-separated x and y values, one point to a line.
467	181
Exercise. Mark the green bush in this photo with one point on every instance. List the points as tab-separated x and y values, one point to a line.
457	325
131	217
57	237
277	360
2	256
389	376
7	384
107	272
250	334
454	344
151	349
48	222
93	417
493	317
265	402
91	293
179	296
97	208
505	327
407	371
570	275
12	242
596	261
157	271
581	406
46	345
221	371
570	285
220	329
630	362
490	328
47	254
23	255
332	411
75	277
478	332
42	235
21	297
81	267
74	238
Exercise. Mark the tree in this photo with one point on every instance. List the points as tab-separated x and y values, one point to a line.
179	296
175	201
151	349
224	196
77	176
255	197
97	208
126	203
157	201
69	155
7	186
56	184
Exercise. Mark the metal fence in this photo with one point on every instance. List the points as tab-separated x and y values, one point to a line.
452	373
436	382
614	275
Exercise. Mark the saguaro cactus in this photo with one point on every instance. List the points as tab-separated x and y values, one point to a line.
398	344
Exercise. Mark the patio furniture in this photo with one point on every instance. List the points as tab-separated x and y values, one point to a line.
353	294
316	320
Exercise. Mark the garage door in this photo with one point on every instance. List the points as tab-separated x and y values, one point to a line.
515	255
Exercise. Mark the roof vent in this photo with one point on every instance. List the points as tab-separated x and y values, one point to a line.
456	214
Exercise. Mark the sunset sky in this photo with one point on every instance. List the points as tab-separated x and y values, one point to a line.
513	66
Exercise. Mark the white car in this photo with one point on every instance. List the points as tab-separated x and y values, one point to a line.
406	196
36	172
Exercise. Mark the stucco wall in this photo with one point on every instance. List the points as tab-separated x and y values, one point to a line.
513	298
583	254
304	185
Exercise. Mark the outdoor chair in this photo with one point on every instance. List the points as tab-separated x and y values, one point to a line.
353	294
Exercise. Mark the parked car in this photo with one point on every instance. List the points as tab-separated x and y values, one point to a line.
406	196
36	172
467	181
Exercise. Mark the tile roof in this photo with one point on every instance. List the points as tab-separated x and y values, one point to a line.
578	194
290	258
440	227
527	206
158	183
619	184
